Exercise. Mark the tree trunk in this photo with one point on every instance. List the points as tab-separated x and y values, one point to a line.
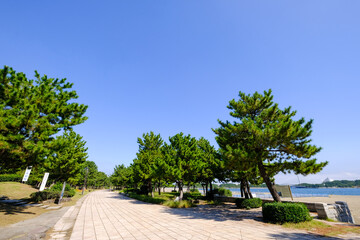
244	189
211	191
206	189
241	190
180	191
248	189
268	182
159	188
150	189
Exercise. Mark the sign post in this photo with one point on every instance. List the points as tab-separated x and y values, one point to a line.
27	174
43	183
284	191
62	192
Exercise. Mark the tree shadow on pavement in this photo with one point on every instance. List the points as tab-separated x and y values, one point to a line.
10	209
229	212
302	236
217	213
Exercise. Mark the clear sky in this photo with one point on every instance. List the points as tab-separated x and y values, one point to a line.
172	66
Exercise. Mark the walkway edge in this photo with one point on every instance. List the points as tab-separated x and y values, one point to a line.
63	228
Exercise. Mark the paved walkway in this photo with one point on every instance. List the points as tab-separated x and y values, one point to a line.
108	215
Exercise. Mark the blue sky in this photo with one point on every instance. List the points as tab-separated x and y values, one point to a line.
172	66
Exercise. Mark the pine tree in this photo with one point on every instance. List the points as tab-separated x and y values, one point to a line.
31	113
182	157
149	151
67	157
267	139
210	165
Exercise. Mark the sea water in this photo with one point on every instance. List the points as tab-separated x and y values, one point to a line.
303	192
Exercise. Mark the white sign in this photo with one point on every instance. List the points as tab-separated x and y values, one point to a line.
26	175
43	183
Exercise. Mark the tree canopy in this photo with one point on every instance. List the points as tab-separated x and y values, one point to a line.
67	158
267	139
31	113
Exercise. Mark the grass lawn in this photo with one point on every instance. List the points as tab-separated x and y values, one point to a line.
329	229
15	190
10	214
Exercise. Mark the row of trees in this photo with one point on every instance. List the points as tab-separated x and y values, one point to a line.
36	129
184	161
263	141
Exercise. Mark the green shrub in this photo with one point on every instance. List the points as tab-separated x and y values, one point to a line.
248	203
10	178
224	192
214	202
44	195
69	191
52	193
15	177
179	204
192	195
128	190
278	212
58	187
146	198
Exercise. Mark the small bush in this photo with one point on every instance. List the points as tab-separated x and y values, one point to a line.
215	202
248	203
58	187
44	195
15	177
224	192
128	190
278	212
53	193
69	191
179	204
192	195
146	198
10	178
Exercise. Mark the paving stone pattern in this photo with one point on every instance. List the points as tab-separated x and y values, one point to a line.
109	215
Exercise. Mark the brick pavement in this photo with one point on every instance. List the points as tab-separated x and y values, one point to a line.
108	215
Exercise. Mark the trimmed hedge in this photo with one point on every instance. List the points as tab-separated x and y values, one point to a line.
10	178
14	177
146	198
278	212
53	193
179	204
248	202
50	194
222	192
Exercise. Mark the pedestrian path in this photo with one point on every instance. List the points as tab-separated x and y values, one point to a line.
109	215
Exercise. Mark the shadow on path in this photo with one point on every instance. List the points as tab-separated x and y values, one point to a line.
230	213
10	209
301	236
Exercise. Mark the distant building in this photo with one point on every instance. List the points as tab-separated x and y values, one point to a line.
328	180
